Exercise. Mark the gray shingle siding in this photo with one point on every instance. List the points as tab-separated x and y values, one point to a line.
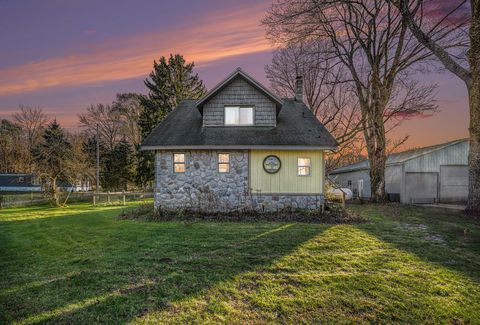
239	92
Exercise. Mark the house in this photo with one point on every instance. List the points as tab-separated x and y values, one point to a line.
27	183
18	183
83	185
240	146
436	173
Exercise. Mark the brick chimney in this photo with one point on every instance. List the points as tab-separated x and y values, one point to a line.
299	89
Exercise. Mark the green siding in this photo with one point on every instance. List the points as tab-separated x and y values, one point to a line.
287	180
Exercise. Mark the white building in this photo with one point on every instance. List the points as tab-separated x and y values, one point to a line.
437	173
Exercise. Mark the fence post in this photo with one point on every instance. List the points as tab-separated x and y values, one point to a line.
124	202
94	199
108	197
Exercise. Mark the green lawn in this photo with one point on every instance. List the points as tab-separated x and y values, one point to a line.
82	265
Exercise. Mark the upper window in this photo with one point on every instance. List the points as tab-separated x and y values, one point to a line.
304	165
223	162
238	115
179	163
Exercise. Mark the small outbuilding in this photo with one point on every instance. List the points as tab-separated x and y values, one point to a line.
432	174
18	183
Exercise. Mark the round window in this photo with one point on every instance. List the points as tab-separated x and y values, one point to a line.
272	164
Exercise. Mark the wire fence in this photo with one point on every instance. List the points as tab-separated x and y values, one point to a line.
104	198
119	198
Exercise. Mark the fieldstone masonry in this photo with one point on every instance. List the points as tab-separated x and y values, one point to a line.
203	187
239	92
282	201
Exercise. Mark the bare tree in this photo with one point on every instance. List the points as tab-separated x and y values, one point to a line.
13	154
108	121
129	107
370	40
465	67
79	168
329	97
32	120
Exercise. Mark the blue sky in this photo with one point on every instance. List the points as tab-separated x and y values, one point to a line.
64	55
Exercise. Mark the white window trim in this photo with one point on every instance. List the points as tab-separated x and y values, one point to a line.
309	166
223	163
184	163
239	107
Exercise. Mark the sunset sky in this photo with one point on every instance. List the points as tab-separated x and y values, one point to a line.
66	55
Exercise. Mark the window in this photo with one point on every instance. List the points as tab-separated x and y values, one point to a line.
179	163
349	184
303	166
223	162
236	115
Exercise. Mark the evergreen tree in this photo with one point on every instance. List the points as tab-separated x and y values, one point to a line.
170	82
118	167
52	156
89	150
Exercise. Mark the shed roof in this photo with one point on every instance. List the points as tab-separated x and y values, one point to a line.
297	128
397	158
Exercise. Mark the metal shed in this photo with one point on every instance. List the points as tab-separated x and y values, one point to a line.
432	174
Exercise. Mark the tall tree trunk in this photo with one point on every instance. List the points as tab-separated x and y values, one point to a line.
473	205
56	199
374	131
375	140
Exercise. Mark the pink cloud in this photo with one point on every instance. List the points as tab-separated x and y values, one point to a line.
458	10
216	36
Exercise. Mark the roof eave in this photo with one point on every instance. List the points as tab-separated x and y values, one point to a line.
236	147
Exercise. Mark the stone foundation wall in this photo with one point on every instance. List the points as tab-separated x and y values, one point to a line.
203	187
282	201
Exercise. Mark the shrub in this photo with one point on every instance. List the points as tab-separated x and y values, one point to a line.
333	215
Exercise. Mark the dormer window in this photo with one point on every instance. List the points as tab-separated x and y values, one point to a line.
238	115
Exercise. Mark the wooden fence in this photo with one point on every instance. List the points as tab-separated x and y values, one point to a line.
26	199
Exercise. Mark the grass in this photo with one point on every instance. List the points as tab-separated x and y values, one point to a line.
83	265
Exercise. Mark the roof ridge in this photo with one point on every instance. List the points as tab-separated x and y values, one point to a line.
239	72
433	147
425	151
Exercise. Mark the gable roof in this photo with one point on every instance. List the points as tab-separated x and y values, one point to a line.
397	158
297	128
238	73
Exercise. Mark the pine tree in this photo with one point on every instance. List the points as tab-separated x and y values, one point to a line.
52	156
118	167
170	82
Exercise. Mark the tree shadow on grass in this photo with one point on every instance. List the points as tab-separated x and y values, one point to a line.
439	236
92	269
